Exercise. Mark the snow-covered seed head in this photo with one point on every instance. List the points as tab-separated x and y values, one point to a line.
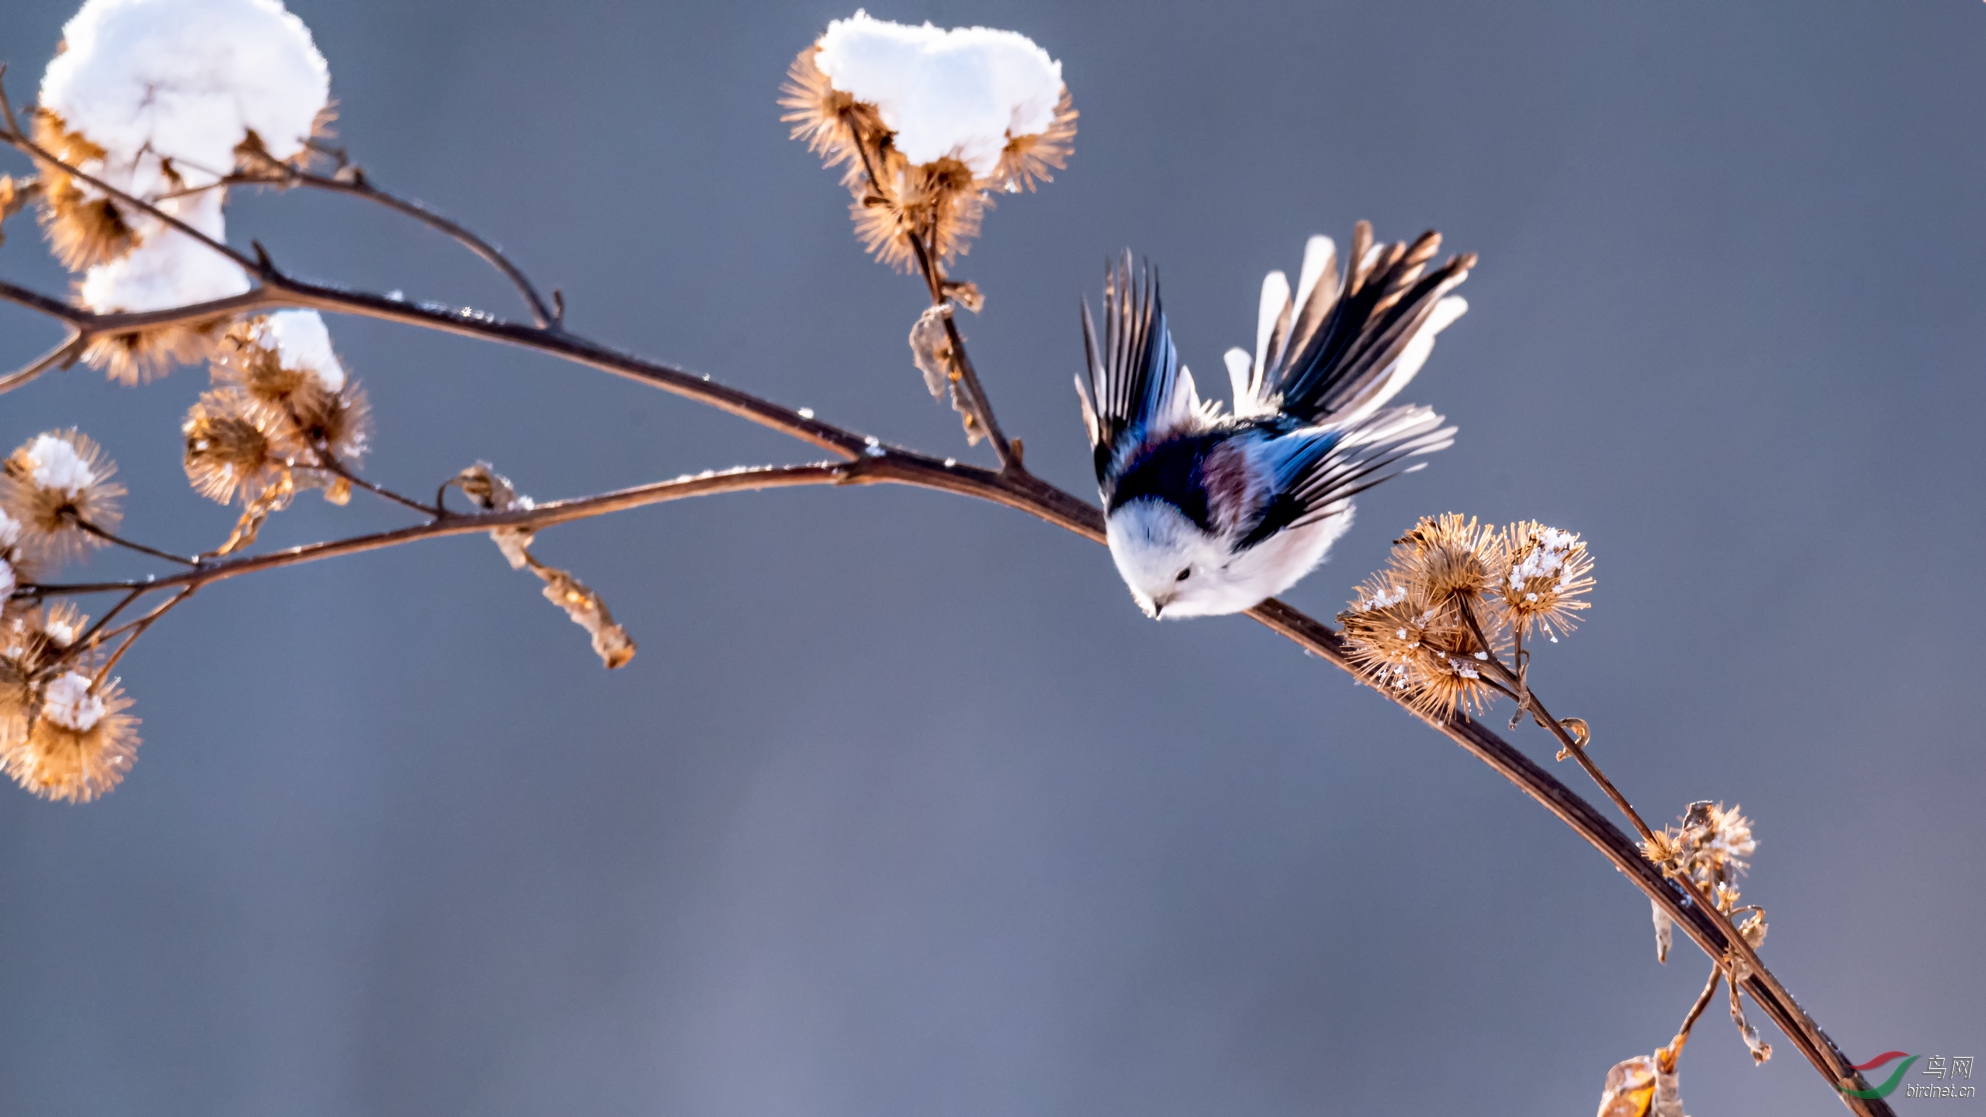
79	744
1547	576
294	389
84	228
169	91
54	483
926	122
160	100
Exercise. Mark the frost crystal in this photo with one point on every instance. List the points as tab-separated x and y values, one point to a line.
185	81
961	94
57	466
68	703
301	342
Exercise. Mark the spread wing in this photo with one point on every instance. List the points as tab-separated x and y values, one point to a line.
1347	344
1318	469
1135	392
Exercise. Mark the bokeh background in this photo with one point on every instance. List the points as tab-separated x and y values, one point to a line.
903	808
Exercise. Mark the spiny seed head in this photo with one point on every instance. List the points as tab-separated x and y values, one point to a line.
84	228
227	451
54	482
1546	577
1408	643
834	124
1711	845
142	356
80	741
938	202
1448	559
1027	159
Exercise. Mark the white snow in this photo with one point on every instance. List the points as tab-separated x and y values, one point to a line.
185	80
1385	599
57	465
302	342
168	268
960	93
60	633
68	703
1544	560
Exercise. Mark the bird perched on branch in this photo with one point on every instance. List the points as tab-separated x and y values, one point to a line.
1211	513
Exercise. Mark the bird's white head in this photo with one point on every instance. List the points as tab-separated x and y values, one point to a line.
1174	567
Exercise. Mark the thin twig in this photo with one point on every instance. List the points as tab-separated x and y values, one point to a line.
359	186
139	628
89	635
130	545
69	350
329	461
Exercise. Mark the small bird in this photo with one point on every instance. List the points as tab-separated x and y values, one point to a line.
1210	513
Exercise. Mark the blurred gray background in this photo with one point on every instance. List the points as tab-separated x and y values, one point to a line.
903	808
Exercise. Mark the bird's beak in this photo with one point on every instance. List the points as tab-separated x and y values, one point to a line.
1158	609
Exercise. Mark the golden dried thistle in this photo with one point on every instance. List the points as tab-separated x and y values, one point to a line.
52	485
227	451
1711	846
1026	160
836	126
1448	559
84	228
294	407
141	356
1405	641
1546	578
80	741
1410	629
938	203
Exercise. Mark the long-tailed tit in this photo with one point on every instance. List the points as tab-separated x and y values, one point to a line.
1211	513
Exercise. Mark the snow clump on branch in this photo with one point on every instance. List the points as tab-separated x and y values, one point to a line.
960	94
162	100
170	89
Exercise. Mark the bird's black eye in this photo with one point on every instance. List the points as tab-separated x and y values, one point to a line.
1184	574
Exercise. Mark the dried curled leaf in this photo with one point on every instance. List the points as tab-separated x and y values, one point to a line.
1665	932
610	641
1761	1050
1639	1087
271	500
931	350
492	492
